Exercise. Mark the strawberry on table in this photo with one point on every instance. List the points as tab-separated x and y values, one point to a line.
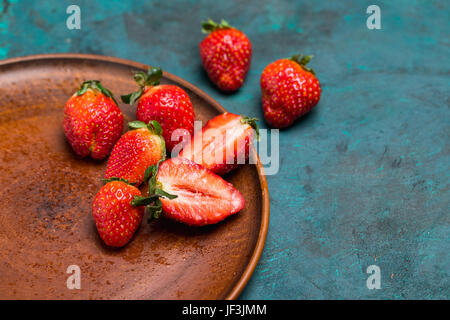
115	218
223	143
226	54
135	151
289	90
92	120
168	104
189	193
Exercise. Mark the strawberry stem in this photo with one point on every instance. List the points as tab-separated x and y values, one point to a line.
95	85
302	60
143	201
151	78
210	26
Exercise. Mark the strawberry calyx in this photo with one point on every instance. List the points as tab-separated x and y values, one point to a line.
151	78
302	60
210	26
153	126
252	123
152	202
95	85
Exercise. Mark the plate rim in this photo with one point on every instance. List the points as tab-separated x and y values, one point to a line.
258	249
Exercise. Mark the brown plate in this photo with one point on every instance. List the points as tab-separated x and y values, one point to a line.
46	194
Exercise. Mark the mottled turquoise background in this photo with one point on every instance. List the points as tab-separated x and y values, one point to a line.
364	178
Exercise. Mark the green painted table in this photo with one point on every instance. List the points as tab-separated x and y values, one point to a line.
363	178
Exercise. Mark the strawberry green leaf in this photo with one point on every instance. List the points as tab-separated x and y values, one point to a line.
95	85
151	78
126	98
305	60
164	194
154	210
154	74
152	184
136	95
84	87
210	26
143	201
140	77
148	172
224	24
105	91
252	123
131	98
152	202
302	60
155	127
136	125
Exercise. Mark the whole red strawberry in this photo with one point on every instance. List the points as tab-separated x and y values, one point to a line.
189	193
289	90
135	151
92	120
115	218
168	104
226	54
223	143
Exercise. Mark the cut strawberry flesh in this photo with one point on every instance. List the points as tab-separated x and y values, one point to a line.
202	196
222	143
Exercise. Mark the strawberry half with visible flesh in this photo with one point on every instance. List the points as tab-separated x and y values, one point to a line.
189	193
115	218
223	143
226	54
135	151
92	120
289	90
168	104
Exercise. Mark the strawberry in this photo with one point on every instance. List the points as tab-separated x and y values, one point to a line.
135	151
223	143
116	219
92	120
226	54
289	90
189	193
168	104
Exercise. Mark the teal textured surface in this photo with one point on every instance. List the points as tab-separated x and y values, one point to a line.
363	179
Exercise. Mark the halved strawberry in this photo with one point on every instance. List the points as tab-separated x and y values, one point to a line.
189	193
223	143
